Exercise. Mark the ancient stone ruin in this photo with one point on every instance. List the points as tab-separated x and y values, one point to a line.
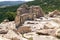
27	13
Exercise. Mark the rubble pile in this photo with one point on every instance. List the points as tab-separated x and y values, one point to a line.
31	24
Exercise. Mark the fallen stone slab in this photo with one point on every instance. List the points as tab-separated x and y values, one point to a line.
51	24
46	32
42	37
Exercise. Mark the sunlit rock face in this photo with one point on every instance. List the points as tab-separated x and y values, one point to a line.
8	25
24	29
41	37
58	33
12	34
2	38
27	13
42	24
54	13
37	11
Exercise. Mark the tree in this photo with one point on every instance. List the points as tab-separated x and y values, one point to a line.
10	15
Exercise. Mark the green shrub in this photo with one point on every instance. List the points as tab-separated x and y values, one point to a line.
10	15
7	15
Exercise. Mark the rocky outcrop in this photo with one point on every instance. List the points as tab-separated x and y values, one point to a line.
27	13
54	13
37	11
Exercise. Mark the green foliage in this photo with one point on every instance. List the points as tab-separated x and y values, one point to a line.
2	16
10	15
47	5
7	15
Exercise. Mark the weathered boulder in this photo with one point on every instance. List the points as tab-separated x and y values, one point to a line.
37	27
42	37
57	20
11	34
8	25
6	20
23	9
24	29
27	13
2	38
51	24
46	32
37	11
58	33
29	35
15	38
42	32
3	31
54	13
17	21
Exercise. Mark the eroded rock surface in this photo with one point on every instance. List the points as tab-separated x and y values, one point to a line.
27	13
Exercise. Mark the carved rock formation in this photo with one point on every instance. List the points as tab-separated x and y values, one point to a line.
27	13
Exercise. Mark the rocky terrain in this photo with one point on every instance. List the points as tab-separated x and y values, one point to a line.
31	23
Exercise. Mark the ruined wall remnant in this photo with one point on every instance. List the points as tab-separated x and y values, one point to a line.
27	13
